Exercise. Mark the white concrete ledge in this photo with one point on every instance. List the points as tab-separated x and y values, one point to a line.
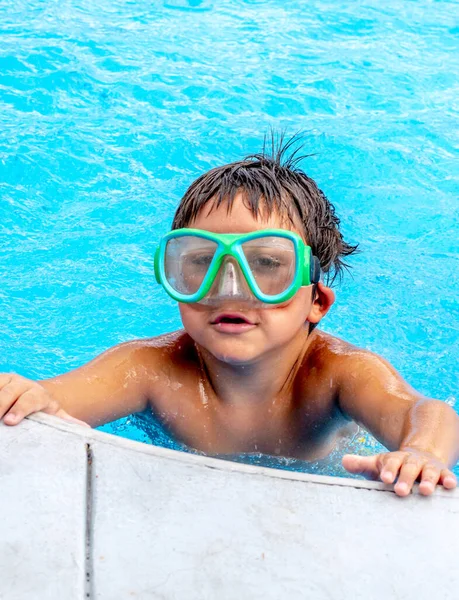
89	515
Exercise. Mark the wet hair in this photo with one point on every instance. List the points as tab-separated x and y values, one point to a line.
272	181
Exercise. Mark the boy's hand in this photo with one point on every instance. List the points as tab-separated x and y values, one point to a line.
406	466
20	397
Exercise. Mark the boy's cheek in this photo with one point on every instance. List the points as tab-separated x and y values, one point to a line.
291	314
192	319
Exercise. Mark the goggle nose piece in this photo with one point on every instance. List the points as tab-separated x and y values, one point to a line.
229	283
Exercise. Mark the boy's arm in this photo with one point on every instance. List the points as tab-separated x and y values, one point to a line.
422	433
111	386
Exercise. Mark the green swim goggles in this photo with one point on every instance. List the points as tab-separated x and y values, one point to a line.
200	266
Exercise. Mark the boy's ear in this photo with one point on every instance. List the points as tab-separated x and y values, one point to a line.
322	303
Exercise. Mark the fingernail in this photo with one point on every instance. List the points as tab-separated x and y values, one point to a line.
387	476
10	418
402	487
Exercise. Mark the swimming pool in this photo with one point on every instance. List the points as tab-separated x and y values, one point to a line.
109	111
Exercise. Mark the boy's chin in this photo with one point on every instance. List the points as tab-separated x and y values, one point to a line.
235	354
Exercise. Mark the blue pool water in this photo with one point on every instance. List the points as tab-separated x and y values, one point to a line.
109	109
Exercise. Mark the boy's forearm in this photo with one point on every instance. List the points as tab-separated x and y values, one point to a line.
432	426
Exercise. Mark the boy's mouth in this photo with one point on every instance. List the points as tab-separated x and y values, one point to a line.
232	322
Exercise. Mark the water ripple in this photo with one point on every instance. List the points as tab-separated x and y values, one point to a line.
109	110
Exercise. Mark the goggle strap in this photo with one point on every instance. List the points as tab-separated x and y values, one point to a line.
315	270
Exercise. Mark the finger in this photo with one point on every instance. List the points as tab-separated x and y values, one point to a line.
5	378
29	402
10	393
429	479
367	466
7	398
409	472
62	414
390	465
9	382
448	479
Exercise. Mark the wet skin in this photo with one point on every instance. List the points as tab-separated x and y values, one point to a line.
240	378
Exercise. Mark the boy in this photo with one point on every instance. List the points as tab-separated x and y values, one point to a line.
250	372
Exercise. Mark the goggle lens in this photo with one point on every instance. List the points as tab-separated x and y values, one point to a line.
187	261
272	262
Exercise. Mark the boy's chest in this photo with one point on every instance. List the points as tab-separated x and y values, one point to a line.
298	425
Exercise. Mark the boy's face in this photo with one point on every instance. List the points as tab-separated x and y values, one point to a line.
267	329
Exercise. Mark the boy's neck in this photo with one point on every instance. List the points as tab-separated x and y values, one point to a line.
257	382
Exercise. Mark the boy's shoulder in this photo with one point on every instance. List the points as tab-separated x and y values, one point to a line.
329	347
330	357
166	350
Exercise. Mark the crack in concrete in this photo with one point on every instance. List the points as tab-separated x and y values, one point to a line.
88	563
